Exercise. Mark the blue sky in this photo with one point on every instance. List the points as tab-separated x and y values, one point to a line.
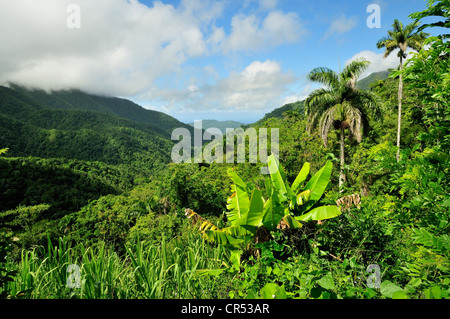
192	59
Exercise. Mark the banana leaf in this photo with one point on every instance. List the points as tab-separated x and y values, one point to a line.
222	238
238	204
318	183
320	213
254	215
273	213
279	180
292	222
301	177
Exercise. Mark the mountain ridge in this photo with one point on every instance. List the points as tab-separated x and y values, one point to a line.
221	125
363	84
79	100
29	128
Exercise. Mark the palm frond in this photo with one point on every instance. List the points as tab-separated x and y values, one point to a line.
410	29
312	122
317	100
354	119
369	102
316	104
326	122
402	37
383	42
353	70
389	44
416	40
397	26
324	76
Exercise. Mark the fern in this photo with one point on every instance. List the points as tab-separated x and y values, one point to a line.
435	243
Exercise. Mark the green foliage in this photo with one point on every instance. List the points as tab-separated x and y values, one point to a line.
143	272
251	218
124	226
440	244
81	101
152	228
201	188
365	84
109	218
293	108
435	8
31	129
65	185
427	72
25	218
6	275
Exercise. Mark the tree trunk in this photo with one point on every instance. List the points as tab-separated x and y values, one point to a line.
342	175
400	97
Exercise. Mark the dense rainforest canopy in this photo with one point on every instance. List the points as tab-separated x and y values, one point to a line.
88	181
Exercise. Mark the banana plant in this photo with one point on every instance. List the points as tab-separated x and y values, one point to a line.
298	202
252	218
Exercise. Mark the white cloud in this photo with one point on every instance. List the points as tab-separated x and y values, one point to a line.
206	11
378	62
124	48
341	25
268	4
250	33
260	86
306	90
120	49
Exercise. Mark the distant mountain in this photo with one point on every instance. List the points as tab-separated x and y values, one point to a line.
364	84
299	106
78	100
278	112
75	125
221	125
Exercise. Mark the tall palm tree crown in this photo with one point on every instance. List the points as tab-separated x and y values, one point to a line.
340	105
402	38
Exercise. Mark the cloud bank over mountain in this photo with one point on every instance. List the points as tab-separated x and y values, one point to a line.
185	56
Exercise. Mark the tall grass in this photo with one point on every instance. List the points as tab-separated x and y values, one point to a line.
145	271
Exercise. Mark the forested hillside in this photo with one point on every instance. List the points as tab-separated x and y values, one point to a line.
30	128
77	100
278	112
365	83
221	125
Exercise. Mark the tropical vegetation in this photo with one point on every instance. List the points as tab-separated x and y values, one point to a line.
402	38
340	105
92	208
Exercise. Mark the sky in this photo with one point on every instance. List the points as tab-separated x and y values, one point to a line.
192	59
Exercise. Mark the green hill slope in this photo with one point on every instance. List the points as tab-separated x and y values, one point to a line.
364	84
29	128
67	185
78	100
221	125
278	112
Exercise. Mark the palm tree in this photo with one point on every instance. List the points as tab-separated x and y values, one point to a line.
401	38
340	105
